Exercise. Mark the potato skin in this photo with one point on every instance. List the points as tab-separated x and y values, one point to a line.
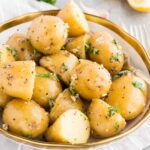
92	80
25	118
128	98
47	34
45	88
71	127
75	18
64	102
23	47
5	55
62	63
101	123
17	79
109	53
77	46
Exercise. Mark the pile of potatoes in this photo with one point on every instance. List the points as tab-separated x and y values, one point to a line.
66	84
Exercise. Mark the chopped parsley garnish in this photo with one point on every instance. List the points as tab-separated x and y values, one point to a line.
116	126
116	57
73	91
116	43
36	53
64	67
112	111
63	48
51	102
13	51
49	1
47	75
120	74
95	51
138	85
87	47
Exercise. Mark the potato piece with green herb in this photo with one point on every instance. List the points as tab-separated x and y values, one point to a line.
61	63
75	18
78	46
6	55
91	80
104	119
65	100
48	34
25	118
129	94
107	51
17	79
46	86
71	127
23	47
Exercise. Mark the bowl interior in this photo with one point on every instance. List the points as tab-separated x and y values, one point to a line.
136	61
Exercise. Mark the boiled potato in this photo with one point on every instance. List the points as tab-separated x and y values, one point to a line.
129	94
107	51
6	55
78	45
23	47
46	86
25	118
4	99
17	79
104	119
72	15
90	80
61	63
65	100
47	34
71	127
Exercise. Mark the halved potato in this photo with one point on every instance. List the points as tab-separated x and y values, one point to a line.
6	55
48	34
129	94
25	118
61	63
78	45
90	80
107	51
71	127
104	119
46	86
73	15
17	79
23	47
65	100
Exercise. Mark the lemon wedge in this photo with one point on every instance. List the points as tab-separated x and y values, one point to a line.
140	5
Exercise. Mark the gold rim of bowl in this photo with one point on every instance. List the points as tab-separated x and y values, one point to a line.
106	23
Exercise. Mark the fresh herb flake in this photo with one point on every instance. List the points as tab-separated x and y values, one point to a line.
116	57
120	74
95	51
47	75
116	126
112	111
64	67
53	2
73	91
51	103
87	47
138	85
13	51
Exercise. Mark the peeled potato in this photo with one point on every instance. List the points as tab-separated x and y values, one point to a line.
61	63
71	127
46	86
63	102
72	15
90	80
23	47
107	51
17	79
47	34
6	55
78	45
129	94
25	118
105	121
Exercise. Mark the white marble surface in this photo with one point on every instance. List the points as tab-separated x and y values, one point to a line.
120	13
